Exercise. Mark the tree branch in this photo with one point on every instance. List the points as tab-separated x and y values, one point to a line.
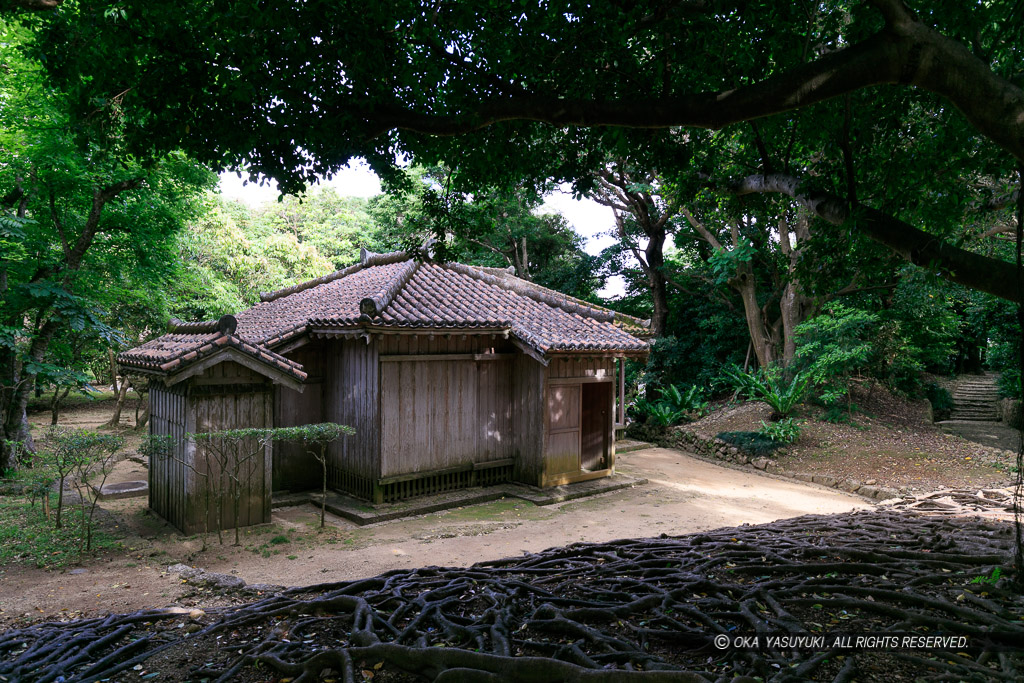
958	265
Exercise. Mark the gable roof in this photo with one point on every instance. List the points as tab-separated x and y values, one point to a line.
397	291
190	344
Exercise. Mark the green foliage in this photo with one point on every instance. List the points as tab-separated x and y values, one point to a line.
832	347
27	536
693	400
312	434
725	262
674	406
770	386
992	578
940	398
664	415
1009	384
751	443
782	431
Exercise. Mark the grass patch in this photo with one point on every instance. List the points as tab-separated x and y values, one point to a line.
75	398
751	443
26	536
278	540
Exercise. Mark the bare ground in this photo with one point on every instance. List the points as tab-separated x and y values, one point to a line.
684	495
890	441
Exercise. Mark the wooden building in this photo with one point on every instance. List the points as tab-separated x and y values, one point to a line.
451	375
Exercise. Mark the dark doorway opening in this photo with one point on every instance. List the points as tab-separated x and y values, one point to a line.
596	426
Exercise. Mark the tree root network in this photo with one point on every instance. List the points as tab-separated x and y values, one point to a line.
635	609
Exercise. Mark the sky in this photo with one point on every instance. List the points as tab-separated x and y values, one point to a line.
587	217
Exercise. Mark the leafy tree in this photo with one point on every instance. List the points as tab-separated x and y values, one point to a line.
494	227
84	220
833	347
585	79
642	211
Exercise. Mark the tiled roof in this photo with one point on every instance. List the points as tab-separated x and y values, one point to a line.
174	352
395	291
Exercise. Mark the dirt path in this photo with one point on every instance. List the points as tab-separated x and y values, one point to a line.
684	495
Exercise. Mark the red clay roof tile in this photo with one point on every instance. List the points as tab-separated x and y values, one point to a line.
398	292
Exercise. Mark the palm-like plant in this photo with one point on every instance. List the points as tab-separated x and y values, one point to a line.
771	387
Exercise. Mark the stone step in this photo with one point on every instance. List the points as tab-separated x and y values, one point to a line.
629	445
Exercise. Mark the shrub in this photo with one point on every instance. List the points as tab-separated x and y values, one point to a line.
783	431
940	398
771	387
693	400
751	443
1009	384
832	347
664	415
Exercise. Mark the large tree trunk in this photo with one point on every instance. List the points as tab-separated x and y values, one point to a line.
760	335
794	306
654	269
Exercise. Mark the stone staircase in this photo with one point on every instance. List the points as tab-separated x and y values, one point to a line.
975	399
975	416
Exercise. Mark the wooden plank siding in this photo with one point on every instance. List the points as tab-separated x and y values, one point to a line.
215	404
350	397
167	476
293	468
529	418
439	414
589	451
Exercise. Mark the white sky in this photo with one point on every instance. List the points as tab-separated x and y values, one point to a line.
587	217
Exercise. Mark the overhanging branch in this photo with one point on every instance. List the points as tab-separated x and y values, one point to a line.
952	263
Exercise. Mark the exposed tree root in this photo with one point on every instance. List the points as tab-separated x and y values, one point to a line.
638	609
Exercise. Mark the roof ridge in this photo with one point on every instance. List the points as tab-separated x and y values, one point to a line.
509	274
535	292
372	306
366	259
178	326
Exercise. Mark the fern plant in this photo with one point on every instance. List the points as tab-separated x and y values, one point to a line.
771	387
692	400
783	431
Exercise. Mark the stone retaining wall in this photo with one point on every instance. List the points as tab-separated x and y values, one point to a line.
1010	412
717	449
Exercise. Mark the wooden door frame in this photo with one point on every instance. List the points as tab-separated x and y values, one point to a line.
578	476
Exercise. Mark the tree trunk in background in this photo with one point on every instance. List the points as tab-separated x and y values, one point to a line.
115	419
760	334
140	421
654	270
55	402
113	369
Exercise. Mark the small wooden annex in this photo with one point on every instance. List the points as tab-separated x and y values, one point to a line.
451	375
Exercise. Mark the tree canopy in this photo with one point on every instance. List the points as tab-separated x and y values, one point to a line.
514	93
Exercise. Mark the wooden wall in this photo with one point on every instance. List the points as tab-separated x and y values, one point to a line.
439	413
563	367
294	469
350	391
225	396
529	399
168	477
